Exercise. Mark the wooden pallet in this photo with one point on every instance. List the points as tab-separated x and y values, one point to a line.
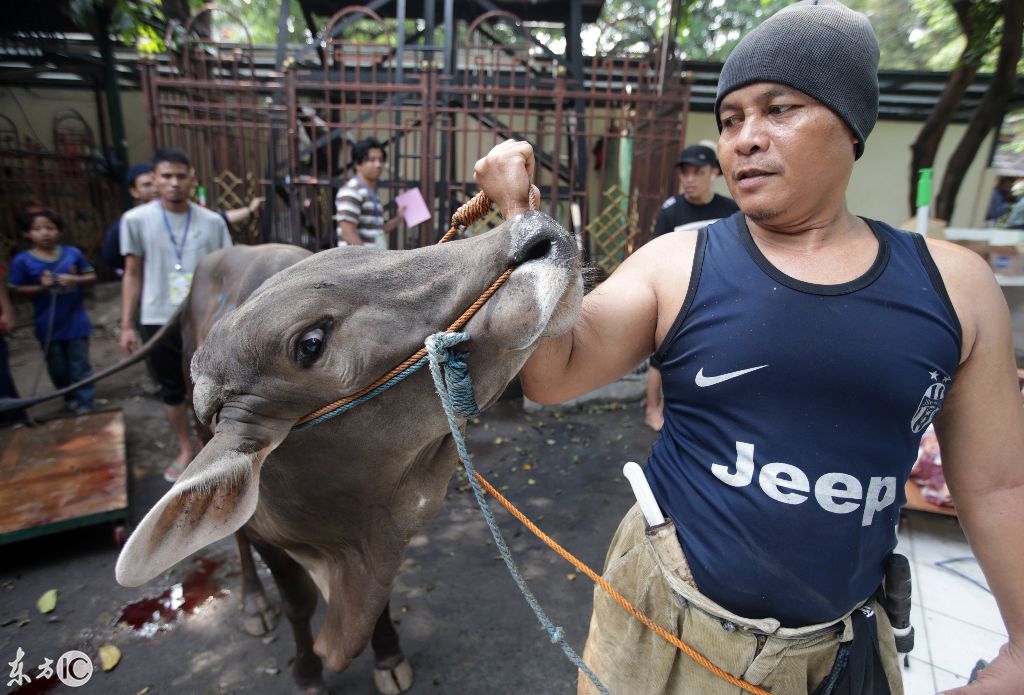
64	473
917	502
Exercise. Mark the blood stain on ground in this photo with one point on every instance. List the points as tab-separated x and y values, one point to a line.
150	615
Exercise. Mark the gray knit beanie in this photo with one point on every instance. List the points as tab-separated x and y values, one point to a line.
821	47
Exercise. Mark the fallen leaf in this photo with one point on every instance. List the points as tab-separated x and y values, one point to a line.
571	576
268	667
531	481
47	602
527	466
110	656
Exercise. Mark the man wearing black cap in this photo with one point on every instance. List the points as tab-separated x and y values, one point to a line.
697	168
142	187
804	351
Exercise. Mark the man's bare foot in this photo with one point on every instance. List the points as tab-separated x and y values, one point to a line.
654	418
174	471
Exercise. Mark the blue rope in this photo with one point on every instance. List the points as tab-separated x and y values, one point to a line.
443	358
365	397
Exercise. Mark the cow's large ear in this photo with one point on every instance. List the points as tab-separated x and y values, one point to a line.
215	495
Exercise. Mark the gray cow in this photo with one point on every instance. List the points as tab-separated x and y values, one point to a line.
333	507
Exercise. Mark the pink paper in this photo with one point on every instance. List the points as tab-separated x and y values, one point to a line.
416	211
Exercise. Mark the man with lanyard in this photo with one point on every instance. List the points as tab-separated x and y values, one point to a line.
162	242
804	350
357	209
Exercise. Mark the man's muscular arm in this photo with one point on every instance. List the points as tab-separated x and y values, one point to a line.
614	333
981	434
619	321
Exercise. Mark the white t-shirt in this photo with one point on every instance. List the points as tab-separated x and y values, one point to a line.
144	233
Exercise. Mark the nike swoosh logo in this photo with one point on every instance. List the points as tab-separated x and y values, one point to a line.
703	381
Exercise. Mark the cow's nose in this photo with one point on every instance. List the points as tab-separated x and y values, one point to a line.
536	236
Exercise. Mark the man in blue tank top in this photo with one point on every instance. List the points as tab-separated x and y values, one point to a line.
804	351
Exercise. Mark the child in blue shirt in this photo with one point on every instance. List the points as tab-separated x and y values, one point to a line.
52	274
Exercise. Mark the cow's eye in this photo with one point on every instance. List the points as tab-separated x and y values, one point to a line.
310	345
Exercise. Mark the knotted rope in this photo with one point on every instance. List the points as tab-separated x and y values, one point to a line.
442	359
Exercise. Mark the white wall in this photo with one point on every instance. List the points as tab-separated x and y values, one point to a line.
880	182
32	111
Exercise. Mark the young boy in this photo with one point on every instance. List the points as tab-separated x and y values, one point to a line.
52	275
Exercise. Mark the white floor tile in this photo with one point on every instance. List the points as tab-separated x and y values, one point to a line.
956	646
918	679
922	650
931	545
944	680
943	592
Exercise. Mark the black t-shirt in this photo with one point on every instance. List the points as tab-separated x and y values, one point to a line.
676	211
112	257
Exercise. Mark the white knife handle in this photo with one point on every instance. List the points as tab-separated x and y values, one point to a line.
644	497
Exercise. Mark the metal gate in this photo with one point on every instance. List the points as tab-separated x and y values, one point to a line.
71	179
605	144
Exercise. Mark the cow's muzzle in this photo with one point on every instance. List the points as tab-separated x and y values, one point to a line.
537	237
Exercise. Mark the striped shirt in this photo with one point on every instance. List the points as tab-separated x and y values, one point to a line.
357	204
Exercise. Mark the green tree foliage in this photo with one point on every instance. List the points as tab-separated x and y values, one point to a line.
912	34
239	20
138	24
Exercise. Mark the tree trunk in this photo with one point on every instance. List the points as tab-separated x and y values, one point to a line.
924	148
989	110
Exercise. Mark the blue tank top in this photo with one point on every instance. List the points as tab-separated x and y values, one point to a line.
793	414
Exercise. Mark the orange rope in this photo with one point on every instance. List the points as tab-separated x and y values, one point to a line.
619	598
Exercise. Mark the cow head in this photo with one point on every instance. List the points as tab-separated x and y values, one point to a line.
323	329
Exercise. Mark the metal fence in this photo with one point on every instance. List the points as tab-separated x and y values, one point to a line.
605	143
71	179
